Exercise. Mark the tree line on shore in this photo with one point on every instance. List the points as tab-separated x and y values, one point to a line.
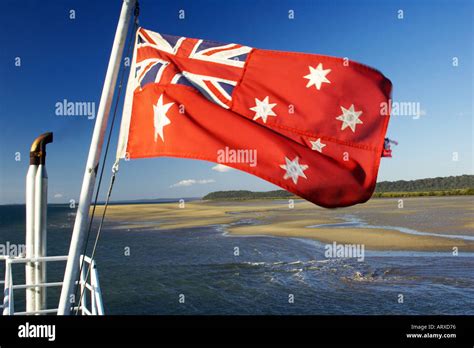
440	186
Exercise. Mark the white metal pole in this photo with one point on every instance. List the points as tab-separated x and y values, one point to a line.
41	206
80	225
36	213
30	236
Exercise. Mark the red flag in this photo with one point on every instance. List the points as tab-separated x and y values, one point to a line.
308	123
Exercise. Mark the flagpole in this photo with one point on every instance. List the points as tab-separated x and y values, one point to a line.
82	217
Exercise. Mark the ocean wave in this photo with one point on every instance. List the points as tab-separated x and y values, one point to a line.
289	266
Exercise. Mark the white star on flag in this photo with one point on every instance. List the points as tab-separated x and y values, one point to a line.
160	118
349	118
263	109
317	76
293	169
317	145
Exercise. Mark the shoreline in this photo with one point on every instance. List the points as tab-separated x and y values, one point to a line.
278	220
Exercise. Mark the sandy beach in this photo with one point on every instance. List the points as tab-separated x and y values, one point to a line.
380	224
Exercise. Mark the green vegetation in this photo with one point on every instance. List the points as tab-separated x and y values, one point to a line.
447	186
455	192
449	183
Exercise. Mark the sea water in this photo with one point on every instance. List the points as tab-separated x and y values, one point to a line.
207	271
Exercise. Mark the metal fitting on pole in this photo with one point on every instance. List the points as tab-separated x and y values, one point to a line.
38	148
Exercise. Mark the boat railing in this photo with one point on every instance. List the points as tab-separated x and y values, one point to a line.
88	283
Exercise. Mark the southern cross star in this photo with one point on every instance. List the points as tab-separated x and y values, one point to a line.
317	76
317	145
349	118
293	169
263	109
160	118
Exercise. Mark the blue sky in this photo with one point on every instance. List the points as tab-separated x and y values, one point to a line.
63	58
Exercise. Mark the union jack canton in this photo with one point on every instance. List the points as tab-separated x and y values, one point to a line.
213	68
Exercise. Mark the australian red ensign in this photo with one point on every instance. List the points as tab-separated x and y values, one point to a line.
312	121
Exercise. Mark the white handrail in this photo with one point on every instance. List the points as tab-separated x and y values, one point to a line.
93	286
97	291
43	311
84	285
41	285
38	259
97	307
8	302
